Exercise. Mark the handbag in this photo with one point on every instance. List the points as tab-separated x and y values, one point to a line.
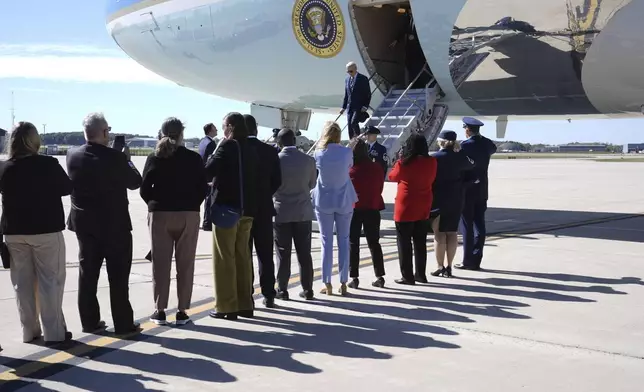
225	216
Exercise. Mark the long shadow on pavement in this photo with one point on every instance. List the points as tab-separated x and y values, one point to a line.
334	334
572	278
79	377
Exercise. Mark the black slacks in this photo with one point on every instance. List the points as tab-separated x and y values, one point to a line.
116	250
353	118
285	235
206	224
262	236
416	233
472	227
370	221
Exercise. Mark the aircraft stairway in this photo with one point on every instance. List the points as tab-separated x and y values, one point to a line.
403	112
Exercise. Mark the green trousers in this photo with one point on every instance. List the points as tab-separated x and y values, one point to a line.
232	266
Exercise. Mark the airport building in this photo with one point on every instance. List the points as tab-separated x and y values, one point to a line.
3	137
583	148
633	148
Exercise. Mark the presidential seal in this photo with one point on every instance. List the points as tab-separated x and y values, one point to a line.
319	27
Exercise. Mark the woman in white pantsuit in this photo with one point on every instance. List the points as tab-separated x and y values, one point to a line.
32	222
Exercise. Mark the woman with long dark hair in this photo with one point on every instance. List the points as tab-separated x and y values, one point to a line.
414	172
368	179
174	182
33	220
233	167
448	200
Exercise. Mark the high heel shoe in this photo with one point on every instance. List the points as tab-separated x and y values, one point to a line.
448	272
328	289
439	272
343	290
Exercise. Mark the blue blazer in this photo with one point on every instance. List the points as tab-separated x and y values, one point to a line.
358	96
479	149
334	192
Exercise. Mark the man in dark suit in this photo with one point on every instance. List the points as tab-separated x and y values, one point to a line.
207	146
479	149
100	218
377	152
293	222
357	98
269	180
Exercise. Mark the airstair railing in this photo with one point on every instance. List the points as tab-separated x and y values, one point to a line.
378	83
413	101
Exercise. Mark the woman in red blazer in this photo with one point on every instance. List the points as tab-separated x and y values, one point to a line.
415	173
368	180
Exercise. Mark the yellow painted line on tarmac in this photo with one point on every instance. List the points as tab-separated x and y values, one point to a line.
104	341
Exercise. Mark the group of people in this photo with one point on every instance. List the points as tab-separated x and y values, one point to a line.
277	193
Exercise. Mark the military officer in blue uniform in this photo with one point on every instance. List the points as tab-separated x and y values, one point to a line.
472	226
377	151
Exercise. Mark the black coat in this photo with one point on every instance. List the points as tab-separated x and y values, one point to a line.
101	177
223	166
32	188
269	176
451	173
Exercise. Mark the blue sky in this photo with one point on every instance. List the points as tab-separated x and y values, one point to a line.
59	60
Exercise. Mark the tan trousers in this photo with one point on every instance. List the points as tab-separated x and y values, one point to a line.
232	266
178	231
38	276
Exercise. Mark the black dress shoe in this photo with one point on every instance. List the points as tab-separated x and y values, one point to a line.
246	313
405	281
380	282
219	315
136	327
467	267
282	295
421	279
269	302
354	284
307	294
100	327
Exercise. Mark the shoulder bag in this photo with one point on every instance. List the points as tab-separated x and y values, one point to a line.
224	216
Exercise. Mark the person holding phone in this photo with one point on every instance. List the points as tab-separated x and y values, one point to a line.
100	218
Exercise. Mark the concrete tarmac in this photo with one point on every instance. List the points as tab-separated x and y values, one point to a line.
558	308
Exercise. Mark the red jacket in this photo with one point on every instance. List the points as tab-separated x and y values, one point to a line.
368	181
414	196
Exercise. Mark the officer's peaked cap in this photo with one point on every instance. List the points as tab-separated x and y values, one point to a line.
471	121
447	135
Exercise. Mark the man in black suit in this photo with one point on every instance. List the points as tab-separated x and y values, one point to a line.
269	180
100	218
357	98
207	146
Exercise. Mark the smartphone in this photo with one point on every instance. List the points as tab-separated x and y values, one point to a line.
119	142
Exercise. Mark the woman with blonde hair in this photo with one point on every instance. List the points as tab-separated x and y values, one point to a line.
32	222
333	199
174	182
448	200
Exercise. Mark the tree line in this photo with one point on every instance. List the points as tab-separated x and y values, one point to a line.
78	138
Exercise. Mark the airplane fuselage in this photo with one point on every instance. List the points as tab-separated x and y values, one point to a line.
533	59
